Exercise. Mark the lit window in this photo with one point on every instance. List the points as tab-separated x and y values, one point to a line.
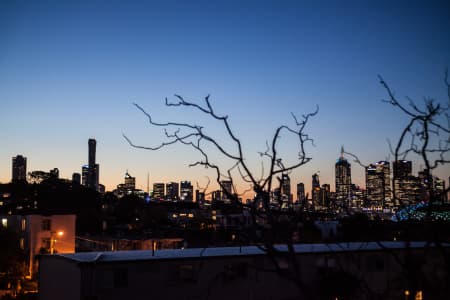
4	222
24	224
22	243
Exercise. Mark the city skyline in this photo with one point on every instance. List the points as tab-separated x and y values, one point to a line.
377	189
70	72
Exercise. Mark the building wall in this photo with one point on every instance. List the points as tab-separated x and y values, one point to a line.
65	285
243	277
36	237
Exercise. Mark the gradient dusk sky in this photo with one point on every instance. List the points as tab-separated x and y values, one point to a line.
70	70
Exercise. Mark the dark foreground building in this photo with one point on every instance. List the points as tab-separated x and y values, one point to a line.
329	271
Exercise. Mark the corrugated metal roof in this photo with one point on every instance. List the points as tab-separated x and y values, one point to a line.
136	255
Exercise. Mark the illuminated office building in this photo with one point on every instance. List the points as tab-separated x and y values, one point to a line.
343	180
286	188
84	174
301	198
186	191
130	182
315	191
407	188
378	184
172	191
158	191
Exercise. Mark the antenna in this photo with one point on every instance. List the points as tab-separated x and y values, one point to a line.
148	186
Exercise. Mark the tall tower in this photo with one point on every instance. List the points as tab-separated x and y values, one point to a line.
19	168
92	144
315	192
301	193
343	180
286	187
226	188
378	184
405	187
172	191
93	168
186	191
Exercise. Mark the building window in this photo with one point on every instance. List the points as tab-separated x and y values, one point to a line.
46	224
23	224
22	243
4	223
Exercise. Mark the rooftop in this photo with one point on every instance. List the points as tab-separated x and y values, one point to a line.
138	255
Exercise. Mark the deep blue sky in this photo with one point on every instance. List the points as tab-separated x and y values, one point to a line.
70	70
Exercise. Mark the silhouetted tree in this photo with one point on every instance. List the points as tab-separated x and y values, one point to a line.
272	222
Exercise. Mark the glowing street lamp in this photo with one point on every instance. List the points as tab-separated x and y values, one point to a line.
59	233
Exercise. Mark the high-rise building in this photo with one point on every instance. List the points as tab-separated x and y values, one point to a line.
324	197
286	188
92	145
402	168
130	182
84	175
407	189
126	188
93	168
301	198
76	179
200	197
439	189
19	168
378	184
172	191
158	191
226	188
343	180
186	191
315	191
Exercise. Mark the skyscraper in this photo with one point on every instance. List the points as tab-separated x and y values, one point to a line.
92	144
286	187
378	184
402	168
301	194
226	188
158	191
172	191
130	182
343	180
315	192
84	175
93	168
186	191
407	188
19	168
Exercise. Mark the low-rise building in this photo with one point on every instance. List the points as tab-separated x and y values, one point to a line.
362	270
42	233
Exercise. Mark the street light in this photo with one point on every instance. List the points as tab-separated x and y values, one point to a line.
59	233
